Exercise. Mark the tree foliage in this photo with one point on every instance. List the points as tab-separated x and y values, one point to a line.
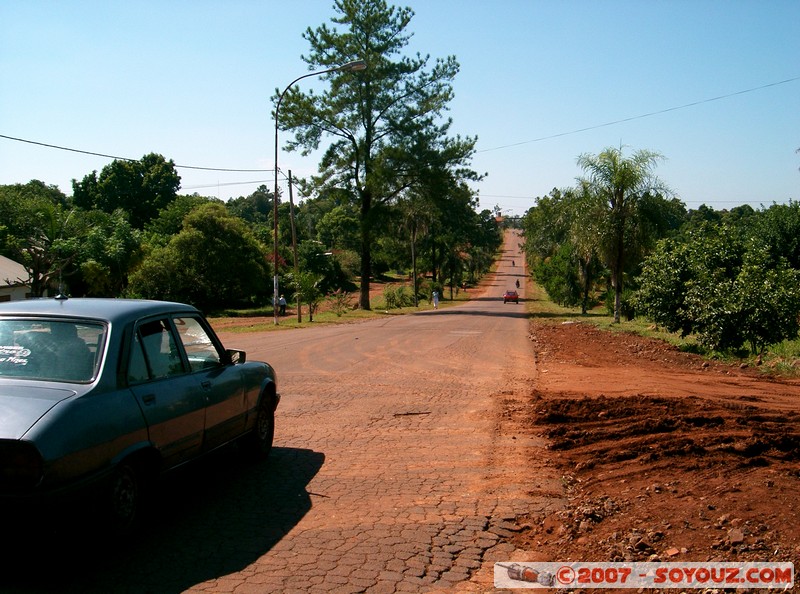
621	184
385	123
306	286
580	241
41	232
110	248
558	274
140	188
723	283
214	261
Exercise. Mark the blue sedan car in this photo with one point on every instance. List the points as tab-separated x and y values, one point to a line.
110	393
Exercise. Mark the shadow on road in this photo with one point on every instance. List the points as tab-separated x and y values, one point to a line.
511	312
211	519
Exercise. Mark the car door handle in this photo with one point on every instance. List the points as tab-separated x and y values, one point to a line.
149	399
206	384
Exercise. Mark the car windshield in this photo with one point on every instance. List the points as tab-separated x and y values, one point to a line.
50	350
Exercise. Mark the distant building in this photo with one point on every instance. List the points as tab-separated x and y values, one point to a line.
13	283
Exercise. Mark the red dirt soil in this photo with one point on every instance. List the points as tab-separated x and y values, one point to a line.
664	456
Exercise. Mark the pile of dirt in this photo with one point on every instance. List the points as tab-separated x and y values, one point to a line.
663	455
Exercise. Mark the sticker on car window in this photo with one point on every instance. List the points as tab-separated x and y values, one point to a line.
14	355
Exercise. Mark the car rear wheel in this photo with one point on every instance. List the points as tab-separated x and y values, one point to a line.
258	443
124	499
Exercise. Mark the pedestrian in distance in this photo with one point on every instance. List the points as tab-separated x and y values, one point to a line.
282	304
435	300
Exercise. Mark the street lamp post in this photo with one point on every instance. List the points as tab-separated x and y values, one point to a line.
348	67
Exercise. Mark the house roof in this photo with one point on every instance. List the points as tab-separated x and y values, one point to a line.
12	273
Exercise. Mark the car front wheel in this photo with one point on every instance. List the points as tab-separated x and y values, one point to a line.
258	443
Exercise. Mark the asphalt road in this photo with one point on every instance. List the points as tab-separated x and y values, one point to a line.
396	466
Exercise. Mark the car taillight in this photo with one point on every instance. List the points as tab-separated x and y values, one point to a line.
20	466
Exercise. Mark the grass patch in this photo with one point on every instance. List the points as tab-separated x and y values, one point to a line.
262	319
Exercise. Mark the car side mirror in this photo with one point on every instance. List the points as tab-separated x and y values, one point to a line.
235	356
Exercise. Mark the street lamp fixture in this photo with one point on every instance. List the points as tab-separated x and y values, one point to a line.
353	66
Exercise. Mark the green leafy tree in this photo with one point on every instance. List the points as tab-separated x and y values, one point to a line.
306	285
663	285
255	208
621	183
169	219
108	252
339	227
558	274
547	225
141	188
376	118
313	258
585	231
215	261
41	232
562	239
767	296
416	216
779	228
723	286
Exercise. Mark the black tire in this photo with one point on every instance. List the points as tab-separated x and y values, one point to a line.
258	443
124	499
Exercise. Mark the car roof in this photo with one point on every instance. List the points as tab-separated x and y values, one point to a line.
111	310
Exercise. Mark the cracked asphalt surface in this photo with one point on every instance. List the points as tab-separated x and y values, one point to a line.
392	471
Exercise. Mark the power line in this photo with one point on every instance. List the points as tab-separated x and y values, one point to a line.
644	115
496	148
74	150
532	199
242	183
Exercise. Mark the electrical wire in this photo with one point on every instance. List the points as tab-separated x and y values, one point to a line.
639	117
73	150
241	183
496	148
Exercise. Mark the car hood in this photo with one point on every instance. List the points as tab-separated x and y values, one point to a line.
22	406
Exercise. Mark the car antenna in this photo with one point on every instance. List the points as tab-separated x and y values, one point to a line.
60	296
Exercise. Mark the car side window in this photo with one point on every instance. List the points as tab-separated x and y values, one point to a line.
200	349
155	353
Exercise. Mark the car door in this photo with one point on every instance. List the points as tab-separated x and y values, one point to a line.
220	381
169	395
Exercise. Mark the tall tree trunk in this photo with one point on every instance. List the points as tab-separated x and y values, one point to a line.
618	222
414	261
586	265
366	251
433	261
616	271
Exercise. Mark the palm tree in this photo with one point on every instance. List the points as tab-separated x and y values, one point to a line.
620	183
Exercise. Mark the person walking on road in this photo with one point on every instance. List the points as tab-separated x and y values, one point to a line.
436	300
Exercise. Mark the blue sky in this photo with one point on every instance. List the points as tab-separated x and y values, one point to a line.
541	82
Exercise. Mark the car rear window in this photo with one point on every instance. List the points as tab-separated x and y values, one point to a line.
50	350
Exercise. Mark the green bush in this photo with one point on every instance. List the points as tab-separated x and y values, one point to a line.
397	296
559	277
724	287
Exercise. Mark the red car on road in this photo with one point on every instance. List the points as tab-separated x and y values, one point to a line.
510	296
